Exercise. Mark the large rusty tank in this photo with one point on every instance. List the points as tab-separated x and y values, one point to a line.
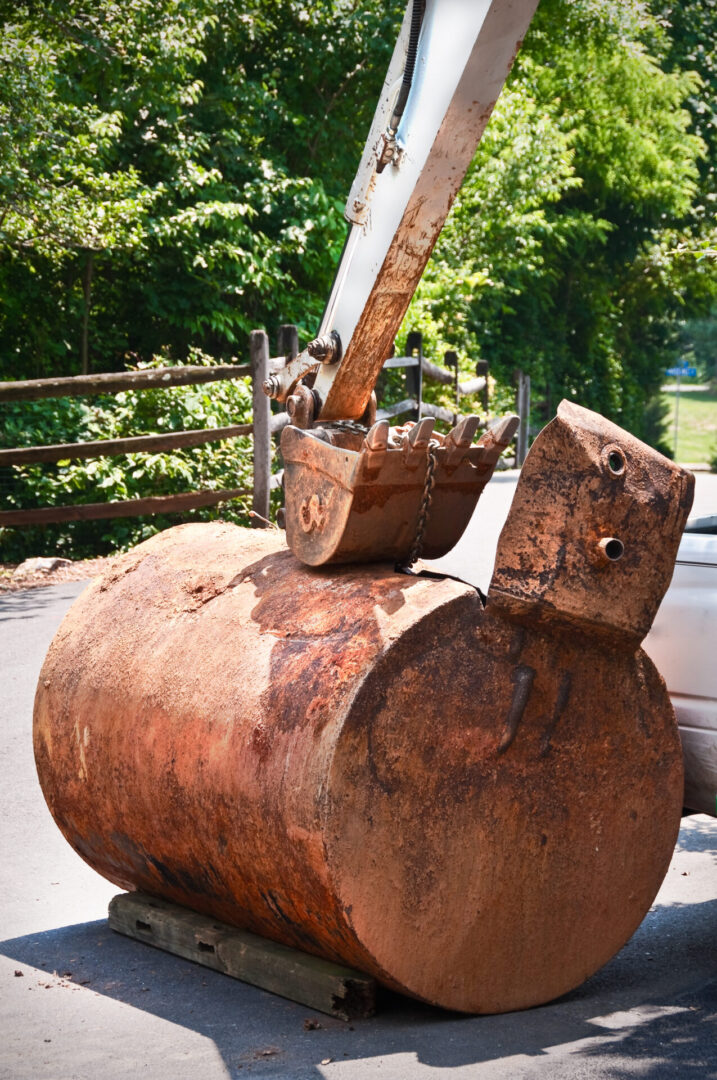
476	803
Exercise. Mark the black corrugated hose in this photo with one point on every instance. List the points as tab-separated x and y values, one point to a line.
416	20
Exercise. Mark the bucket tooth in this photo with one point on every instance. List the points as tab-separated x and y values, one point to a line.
497	439
377	436
459	439
462	434
420	433
415	441
375	445
503	431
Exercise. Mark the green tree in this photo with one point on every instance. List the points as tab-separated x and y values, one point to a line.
61	202
691	38
175	183
564	255
172	174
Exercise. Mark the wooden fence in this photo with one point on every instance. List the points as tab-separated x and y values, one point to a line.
265	425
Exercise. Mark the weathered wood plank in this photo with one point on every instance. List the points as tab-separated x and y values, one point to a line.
414	375
400	362
427	409
395	410
434	373
473	386
261	414
29	455
523	411
111	382
278	422
440	413
287	342
155	504
441	375
330	988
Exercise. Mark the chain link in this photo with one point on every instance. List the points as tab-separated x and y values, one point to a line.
415	552
345	425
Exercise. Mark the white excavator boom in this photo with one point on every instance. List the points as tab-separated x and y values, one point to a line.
406	184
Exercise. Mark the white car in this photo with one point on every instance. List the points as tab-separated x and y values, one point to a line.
683	645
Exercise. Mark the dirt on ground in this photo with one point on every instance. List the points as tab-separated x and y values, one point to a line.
14	580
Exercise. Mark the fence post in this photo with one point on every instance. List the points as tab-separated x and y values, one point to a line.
261	414
523	410
414	375
482	369
450	359
287	341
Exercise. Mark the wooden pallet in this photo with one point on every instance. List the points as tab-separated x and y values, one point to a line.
309	980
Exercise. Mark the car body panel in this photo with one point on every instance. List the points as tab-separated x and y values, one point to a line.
683	645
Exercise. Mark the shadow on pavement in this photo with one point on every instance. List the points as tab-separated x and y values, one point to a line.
607	1017
701	836
26	603
678	1044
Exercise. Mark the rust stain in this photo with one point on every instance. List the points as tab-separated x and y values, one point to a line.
364	503
550	564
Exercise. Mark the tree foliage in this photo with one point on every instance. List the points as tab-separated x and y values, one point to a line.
165	169
568	249
172	174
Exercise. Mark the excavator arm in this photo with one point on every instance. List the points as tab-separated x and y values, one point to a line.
449	65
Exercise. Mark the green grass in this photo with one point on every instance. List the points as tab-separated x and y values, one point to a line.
697	425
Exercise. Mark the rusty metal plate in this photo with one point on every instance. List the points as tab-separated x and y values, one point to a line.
600	549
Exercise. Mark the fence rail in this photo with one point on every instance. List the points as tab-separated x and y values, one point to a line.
153	504
114	382
31	455
264	426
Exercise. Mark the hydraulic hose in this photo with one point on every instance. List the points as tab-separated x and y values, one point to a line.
416	20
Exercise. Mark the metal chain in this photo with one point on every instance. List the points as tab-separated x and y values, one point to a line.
415	552
345	425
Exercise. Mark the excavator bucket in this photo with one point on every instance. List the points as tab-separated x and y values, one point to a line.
475	804
396	496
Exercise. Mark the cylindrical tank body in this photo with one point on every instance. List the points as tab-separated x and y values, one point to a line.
363	764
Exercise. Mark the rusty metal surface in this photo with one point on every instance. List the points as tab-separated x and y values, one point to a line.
600	550
476	806
363	499
168	747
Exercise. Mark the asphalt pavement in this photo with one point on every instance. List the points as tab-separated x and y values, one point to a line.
80	1002
473	556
